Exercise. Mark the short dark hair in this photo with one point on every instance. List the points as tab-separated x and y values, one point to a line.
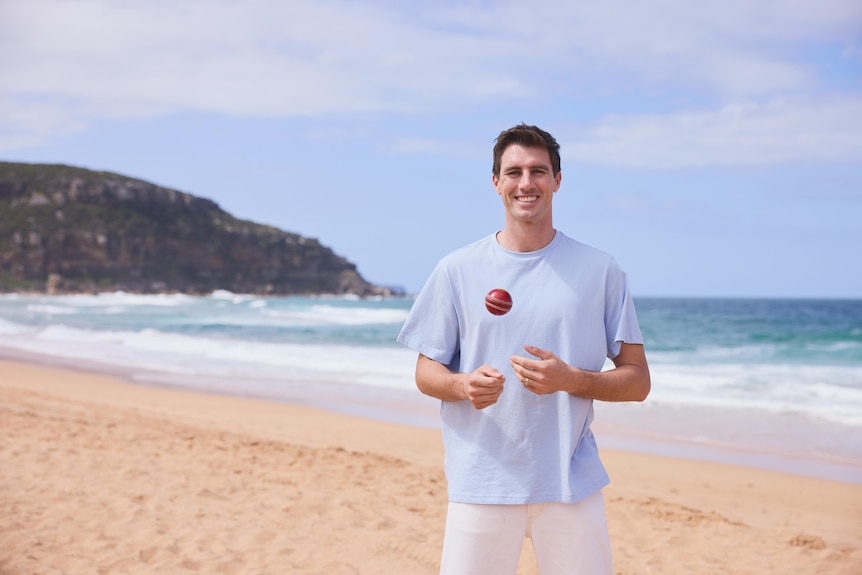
528	137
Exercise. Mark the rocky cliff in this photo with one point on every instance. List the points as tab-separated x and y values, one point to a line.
66	229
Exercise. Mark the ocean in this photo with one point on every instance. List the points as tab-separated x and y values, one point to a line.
765	382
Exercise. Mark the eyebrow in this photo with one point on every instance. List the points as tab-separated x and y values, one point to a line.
530	167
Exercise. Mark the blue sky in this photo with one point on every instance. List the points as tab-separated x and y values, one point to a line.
714	150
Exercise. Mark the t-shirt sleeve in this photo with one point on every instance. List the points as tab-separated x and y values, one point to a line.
431	327
621	322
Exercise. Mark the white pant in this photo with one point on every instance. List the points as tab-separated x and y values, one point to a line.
568	538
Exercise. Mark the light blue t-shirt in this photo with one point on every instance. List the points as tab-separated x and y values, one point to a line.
568	298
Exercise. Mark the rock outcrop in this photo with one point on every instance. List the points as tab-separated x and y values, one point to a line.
68	230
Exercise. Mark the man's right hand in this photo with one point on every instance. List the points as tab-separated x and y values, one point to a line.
483	386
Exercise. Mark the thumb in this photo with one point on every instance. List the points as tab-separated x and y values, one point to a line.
538	352
489	371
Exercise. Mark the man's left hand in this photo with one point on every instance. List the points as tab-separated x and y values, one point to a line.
547	374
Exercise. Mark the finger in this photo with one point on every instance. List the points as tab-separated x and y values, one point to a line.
485	400
523	366
516	361
489	386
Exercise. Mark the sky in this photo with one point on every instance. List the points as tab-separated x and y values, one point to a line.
715	149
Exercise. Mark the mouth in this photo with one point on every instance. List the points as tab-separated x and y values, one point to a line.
526	199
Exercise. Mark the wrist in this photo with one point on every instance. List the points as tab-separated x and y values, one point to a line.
460	385
578	381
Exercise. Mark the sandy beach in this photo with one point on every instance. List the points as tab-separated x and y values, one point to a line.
101	476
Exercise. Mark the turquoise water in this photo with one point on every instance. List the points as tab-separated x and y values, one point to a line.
778	356
797	363
824	332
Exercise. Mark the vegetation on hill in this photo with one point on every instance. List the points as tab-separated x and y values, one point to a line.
65	229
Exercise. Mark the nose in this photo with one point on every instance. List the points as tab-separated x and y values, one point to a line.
526	180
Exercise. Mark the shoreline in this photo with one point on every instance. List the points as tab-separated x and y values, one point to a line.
788	444
105	475
747	440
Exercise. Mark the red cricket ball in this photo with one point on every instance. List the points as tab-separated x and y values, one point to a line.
498	301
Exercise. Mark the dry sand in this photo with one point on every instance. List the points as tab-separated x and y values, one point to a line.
101	476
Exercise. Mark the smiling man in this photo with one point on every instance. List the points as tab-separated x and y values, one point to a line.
521	460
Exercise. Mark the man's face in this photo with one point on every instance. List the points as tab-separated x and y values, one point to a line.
526	184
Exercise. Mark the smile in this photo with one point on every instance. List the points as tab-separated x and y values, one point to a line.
526	198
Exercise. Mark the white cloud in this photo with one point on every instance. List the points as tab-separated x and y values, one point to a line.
66	63
753	134
258	58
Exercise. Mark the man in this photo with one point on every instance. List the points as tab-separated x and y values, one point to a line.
517	387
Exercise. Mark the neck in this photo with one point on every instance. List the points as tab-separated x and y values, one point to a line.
525	237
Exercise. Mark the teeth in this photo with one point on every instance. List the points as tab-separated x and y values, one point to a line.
528	198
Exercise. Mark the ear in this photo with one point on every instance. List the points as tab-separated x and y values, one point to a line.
495	180
559	178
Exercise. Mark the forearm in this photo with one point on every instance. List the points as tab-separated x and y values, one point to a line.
436	380
628	382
